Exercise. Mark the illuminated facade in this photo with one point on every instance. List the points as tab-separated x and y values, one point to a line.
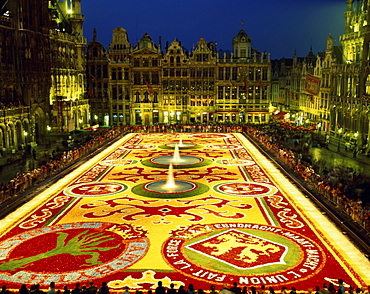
349	97
341	108
70	107
42	72
141	85
289	95
24	73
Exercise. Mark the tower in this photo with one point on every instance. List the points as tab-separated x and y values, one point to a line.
242	45
75	17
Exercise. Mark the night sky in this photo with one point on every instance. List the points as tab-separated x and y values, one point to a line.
278	27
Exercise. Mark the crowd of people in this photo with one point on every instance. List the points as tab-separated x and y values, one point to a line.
52	162
184	128
343	187
326	288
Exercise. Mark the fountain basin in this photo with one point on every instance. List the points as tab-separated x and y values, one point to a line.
160	187
156	189
184	160
182	146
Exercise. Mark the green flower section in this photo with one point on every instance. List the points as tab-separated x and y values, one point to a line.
138	190
292	257
180	148
205	162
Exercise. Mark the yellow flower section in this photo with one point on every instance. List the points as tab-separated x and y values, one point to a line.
152	216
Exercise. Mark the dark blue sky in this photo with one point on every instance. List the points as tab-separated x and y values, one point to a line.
278	27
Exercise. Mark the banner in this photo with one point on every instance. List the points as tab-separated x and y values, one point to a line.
246	83
312	84
150	88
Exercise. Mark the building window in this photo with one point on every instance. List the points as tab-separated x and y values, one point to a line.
155	78
220	92
221	73
137	97
137	78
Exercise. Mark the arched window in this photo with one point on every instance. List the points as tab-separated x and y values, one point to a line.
155	98
146	97
137	97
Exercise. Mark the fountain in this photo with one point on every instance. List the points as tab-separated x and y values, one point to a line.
176	155
170	183
180	142
171	188
184	161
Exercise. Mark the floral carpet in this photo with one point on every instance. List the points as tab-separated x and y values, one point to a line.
137	214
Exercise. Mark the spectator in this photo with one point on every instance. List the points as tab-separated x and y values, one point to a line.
160	289
103	289
92	288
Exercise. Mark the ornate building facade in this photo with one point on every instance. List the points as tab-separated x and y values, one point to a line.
340	109
68	101
141	85
42	53
51	83
24	72
349	97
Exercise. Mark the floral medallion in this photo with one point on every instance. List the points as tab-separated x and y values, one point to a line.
246	189
244	252
96	189
71	252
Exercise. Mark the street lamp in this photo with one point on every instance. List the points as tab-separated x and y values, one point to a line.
340	136
25	138
48	128
355	147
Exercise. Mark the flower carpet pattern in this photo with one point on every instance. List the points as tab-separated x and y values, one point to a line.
117	219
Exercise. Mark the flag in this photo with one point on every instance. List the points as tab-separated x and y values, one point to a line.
312	84
246	83
91	94
149	88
